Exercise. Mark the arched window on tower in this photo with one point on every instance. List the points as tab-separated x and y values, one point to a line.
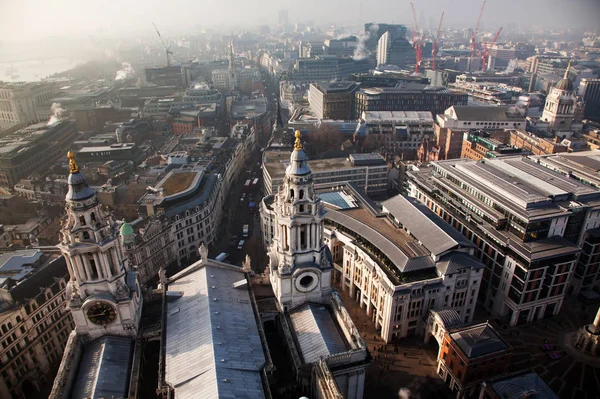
86	235
82	220
93	218
93	268
301	194
292	193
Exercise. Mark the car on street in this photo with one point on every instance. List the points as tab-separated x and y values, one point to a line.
241	244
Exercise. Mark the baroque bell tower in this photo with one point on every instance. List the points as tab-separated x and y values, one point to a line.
103	293
299	263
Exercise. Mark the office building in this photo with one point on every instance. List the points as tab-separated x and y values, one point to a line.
368	172
408	97
469	355
34	322
374	31
501	56
332	100
326	69
488	93
19	101
397	261
488	118
455	121
173	75
526	221
33	149
222	78
589	90
583	167
114	152
395	51
341	47
300	272
404	130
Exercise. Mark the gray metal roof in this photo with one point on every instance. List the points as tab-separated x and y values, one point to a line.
449	317
104	369
213	348
485	113
316	332
433	232
478	340
453	262
517	387
390	250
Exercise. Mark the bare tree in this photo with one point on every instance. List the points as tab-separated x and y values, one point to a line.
326	137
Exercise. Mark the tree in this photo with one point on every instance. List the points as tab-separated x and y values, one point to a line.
326	137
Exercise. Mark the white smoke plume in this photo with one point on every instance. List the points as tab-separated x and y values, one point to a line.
57	111
361	52
126	72
404	393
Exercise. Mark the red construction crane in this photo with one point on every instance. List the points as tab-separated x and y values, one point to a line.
486	50
417	42
435	43
474	34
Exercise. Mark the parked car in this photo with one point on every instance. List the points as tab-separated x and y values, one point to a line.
241	244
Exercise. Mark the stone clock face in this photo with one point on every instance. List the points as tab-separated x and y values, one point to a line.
101	313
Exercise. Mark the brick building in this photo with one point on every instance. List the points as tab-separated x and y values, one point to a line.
471	354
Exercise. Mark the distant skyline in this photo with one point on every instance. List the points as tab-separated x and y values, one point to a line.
32	19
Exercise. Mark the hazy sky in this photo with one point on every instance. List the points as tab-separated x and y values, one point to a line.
30	19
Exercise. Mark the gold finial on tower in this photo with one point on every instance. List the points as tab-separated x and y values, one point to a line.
73	167
298	144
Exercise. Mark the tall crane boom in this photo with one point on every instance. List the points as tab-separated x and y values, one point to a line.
486	50
417	43
435	43
167	48
474	34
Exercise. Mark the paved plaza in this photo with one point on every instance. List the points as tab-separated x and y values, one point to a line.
412	364
573	375
408	364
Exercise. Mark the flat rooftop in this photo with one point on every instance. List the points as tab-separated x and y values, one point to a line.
277	161
519	183
583	166
397	116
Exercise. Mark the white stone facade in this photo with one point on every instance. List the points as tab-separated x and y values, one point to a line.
300	270
103	293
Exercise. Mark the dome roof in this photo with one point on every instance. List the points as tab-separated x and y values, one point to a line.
126	230
78	188
565	84
298	159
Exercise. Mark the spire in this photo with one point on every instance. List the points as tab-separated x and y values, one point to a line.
73	167
298	144
567	71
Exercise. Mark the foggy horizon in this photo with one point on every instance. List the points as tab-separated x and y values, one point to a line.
114	19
